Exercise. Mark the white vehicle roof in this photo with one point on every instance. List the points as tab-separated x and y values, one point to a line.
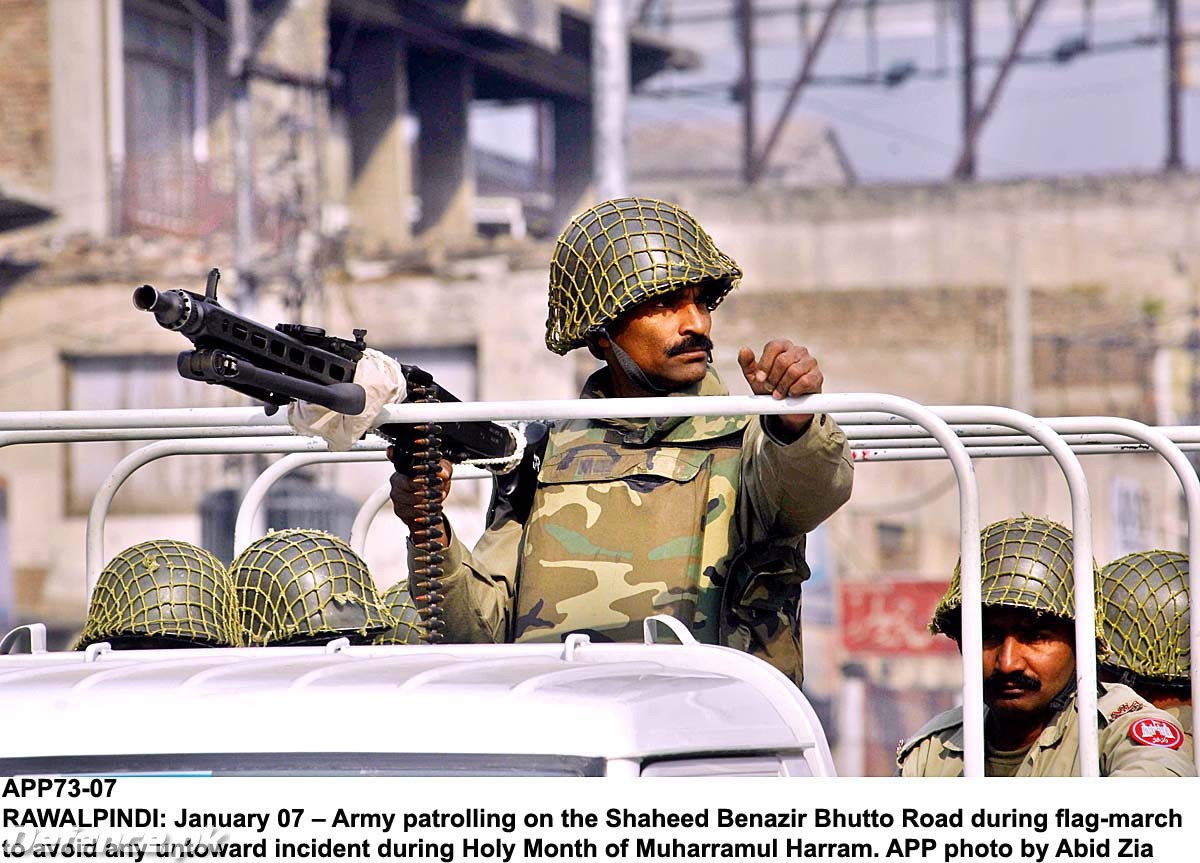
573	703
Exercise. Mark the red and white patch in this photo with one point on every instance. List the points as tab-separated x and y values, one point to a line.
1156	732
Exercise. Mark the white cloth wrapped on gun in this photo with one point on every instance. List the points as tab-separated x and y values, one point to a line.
380	377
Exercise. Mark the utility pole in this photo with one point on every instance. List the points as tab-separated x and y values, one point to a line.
610	95
745	13
240	48
966	167
1174	87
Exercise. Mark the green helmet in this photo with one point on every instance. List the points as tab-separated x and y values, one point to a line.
406	622
621	253
1144	616
1026	563
163	593
303	587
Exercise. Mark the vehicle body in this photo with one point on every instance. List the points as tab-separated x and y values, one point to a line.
569	709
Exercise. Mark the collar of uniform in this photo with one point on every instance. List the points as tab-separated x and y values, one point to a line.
1054	732
1050	735
643	431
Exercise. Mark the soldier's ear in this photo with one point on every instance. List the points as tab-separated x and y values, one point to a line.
597	345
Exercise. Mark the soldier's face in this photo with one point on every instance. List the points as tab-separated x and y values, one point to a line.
1027	660
668	337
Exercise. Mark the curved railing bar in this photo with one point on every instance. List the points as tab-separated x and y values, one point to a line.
94	551
371	507
863	451
860	435
600	408
1179	463
1169	441
1081	547
860	423
964	471
137	418
99	434
252	500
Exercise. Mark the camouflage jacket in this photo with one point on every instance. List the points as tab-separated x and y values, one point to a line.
701	518
1136	739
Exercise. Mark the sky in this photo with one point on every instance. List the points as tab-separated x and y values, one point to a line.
1100	113
1103	112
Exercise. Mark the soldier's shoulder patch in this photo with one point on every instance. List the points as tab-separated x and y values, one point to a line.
1127	707
1156	731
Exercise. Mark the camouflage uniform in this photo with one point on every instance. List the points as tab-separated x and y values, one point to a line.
701	518
1125	719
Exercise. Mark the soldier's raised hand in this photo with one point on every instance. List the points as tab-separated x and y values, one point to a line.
784	370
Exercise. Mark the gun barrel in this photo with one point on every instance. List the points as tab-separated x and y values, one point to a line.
171	308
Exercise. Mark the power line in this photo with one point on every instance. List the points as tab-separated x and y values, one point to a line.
1032	58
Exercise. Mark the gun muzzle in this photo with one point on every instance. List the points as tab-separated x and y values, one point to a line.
172	309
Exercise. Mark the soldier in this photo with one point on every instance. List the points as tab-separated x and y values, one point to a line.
1144	619
306	587
703	518
163	593
1031	726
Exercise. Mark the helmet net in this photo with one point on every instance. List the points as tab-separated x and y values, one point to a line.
1145	615
299	585
406	623
1026	563
622	252
163	592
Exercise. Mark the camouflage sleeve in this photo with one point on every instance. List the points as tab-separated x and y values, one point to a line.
1147	742
478	585
793	487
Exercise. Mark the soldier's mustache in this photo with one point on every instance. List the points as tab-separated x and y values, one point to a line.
1014	681
691	343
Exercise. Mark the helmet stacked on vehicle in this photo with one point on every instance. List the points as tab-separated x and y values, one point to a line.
163	593
304	587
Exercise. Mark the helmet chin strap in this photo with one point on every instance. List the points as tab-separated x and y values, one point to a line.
1063	698
632	370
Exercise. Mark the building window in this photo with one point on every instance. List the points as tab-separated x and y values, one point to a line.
167	185
174	485
897	544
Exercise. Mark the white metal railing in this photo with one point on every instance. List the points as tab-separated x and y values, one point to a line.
628	408
256	493
925	432
1090	435
94	547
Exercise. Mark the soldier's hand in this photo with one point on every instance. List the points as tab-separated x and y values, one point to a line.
410	496
785	370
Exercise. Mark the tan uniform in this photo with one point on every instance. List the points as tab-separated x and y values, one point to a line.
1183	716
1136	739
640	517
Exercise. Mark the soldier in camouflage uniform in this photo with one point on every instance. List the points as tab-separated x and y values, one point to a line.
1143	614
1031	725
702	518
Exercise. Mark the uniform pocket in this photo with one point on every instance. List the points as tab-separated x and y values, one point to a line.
614	536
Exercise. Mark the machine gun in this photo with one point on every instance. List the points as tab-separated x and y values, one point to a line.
296	362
